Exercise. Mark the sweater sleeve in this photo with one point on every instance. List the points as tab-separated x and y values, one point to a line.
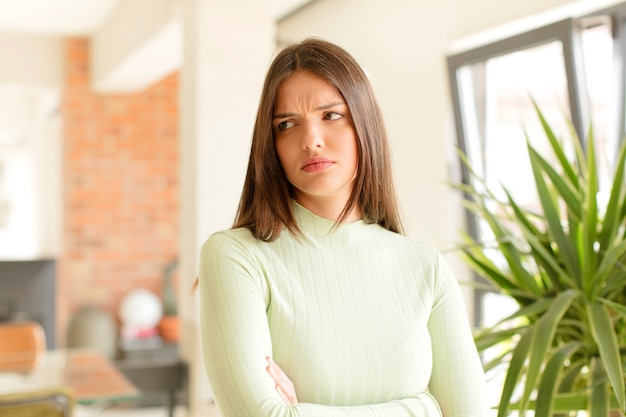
235	339
458	380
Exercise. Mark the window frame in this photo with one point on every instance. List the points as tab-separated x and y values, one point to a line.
568	31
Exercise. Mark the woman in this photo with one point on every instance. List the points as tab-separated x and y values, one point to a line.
314	304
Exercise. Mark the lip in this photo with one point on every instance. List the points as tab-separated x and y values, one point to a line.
316	164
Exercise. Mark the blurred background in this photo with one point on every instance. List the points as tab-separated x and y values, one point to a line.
125	127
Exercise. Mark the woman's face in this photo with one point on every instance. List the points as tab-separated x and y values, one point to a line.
315	140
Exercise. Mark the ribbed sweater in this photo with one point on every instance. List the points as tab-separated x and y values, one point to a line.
364	321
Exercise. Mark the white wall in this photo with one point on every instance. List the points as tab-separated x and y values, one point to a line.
127	57
402	44
227	47
31	77
33	60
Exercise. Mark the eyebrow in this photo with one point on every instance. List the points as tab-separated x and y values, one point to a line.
322	107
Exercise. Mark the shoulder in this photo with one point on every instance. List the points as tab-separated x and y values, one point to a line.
228	244
430	255
228	238
230	256
421	257
416	249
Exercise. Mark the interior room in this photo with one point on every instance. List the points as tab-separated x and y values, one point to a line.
125	130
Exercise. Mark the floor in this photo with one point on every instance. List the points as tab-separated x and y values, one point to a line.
208	411
142	412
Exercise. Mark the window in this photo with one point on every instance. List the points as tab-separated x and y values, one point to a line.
573	68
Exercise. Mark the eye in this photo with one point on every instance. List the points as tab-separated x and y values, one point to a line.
331	115
282	126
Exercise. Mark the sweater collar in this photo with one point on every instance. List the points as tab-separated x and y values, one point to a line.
309	222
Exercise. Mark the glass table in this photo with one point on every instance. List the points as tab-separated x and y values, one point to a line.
87	373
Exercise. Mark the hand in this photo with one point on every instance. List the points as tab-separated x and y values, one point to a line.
284	386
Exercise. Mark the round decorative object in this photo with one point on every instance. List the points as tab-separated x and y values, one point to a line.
93	328
140	309
169	328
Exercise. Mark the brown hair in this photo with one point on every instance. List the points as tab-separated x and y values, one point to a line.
265	206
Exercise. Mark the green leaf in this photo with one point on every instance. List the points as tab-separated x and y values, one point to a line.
488	338
587	254
569	171
484	267
570	376
599	403
571	401
539	244
551	212
543	334
579	152
510	252
504	239
613	215
544	256
549	380
497	361
515	369
531	310
466	162
614	283
607	266
615	306
570	194
521	215
605	337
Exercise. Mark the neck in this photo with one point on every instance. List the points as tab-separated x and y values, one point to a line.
328	208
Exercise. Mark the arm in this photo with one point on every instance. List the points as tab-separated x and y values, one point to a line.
284	386
236	340
458	380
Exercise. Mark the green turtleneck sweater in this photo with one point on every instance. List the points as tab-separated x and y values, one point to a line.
364	321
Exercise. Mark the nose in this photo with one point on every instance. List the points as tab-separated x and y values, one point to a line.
313	137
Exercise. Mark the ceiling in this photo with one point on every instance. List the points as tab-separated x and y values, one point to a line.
20	105
80	17
55	17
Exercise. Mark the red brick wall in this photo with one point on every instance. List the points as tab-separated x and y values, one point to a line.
120	199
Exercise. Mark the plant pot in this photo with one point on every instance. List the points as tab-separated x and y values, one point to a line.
169	328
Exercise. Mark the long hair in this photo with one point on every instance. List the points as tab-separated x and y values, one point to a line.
264	207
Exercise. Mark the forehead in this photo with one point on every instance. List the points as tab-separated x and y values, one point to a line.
305	88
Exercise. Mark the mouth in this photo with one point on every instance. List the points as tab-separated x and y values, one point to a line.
316	164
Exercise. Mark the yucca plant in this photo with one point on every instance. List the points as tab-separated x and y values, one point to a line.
565	267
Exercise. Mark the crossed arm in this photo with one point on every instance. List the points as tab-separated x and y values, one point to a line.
284	387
